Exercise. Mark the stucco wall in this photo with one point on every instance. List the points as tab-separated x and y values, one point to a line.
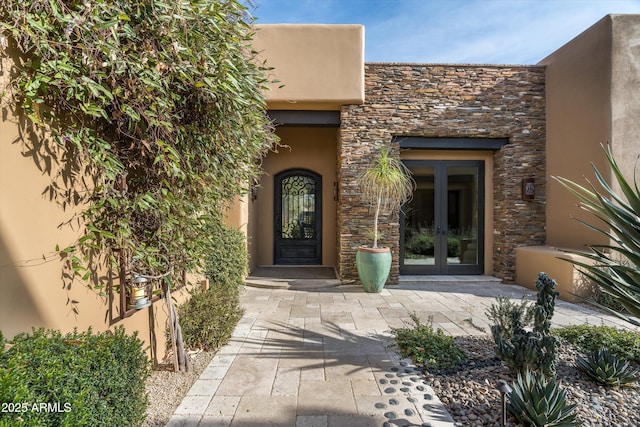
33	291
593	87
625	92
578	121
317	67
531	260
252	231
312	148
449	101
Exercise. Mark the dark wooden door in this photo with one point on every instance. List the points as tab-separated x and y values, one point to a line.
298	217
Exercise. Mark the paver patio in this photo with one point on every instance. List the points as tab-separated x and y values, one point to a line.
323	358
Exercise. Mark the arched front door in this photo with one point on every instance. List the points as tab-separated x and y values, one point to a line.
298	217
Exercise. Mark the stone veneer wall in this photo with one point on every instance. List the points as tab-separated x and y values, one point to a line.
448	101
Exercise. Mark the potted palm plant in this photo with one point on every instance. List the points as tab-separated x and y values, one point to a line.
385	185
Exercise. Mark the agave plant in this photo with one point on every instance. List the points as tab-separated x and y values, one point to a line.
615	267
537	401
607	369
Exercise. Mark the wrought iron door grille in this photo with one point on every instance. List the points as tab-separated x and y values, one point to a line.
298	200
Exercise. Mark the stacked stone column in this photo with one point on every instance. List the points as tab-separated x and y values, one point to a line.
479	101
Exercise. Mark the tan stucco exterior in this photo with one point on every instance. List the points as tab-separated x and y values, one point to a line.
625	92
555	264
592	91
32	290
317	67
306	148
237	214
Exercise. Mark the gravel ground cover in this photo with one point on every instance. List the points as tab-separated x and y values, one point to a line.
471	398
166	389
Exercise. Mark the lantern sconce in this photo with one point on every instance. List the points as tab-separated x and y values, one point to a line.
139	294
528	189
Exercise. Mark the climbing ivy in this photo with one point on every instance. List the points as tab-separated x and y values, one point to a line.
154	118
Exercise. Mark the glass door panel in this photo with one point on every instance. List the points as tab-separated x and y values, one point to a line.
462	215
419	219
441	228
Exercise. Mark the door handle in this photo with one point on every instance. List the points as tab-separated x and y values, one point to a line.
441	230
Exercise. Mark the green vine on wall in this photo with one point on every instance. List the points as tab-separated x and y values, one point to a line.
149	115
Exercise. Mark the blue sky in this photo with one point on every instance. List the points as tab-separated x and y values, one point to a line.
452	31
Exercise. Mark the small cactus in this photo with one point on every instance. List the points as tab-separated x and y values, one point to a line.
536	349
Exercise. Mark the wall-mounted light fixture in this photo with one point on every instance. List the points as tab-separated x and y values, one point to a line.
139	293
528	189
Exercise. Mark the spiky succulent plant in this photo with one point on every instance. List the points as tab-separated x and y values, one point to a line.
520	348
537	401
614	266
607	369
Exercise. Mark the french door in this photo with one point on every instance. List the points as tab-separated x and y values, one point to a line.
442	226
298	217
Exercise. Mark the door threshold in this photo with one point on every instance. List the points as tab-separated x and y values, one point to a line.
448	278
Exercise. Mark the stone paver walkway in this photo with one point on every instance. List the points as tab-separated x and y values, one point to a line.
322	358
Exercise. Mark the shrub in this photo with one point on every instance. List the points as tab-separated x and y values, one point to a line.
421	244
505	313
453	246
534	350
228	261
155	116
537	401
607	300
428	348
607	369
624	344
73	380
209	317
422	241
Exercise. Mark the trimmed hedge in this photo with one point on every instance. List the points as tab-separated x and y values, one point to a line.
228	260
208	318
79	379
